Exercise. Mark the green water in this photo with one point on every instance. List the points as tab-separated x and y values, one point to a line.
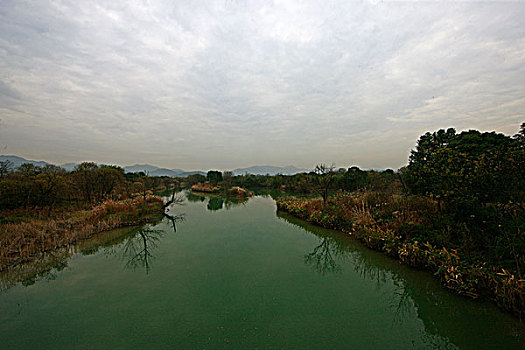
236	275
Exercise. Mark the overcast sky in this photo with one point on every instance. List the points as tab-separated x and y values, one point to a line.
226	84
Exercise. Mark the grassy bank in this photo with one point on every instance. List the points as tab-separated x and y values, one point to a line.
384	223
21	242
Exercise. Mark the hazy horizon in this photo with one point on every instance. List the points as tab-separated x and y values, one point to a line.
232	84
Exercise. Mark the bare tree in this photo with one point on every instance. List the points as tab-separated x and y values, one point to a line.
6	166
323	180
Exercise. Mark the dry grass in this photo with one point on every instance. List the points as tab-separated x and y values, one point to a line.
21	241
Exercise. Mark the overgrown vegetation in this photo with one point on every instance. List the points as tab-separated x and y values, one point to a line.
44	208
456	209
22	241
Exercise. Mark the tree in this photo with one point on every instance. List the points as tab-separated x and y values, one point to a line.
520	136
6	166
96	183
49	186
465	167
227	176
323	179
353	179
214	176
480	177
194	179
85	180
108	178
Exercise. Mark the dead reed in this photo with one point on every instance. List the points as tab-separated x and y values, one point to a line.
19	242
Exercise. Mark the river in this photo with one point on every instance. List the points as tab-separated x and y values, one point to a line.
225	274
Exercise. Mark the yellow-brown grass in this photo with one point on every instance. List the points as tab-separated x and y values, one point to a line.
21	241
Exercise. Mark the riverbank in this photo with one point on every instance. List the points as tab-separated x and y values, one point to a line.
21	242
352	215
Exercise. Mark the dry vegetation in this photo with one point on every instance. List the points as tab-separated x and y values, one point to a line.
20	242
380	223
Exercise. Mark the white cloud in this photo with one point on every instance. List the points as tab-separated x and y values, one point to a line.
227	84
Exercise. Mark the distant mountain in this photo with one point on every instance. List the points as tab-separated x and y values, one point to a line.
269	169
17	161
156	171
140	167
152	170
165	172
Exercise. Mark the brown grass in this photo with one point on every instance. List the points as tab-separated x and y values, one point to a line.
20	242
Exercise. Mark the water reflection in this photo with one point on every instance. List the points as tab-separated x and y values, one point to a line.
411	300
135	246
323	257
409	292
138	250
216	202
174	219
192	197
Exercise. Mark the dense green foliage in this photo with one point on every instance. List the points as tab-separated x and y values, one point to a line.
214	176
478	182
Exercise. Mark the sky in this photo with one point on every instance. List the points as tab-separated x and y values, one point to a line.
227	84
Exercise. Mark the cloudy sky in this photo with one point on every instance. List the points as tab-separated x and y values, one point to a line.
226	84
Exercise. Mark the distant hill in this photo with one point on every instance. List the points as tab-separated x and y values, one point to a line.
156	171
17	161
140	167
165	172
153	170
150	169
269	169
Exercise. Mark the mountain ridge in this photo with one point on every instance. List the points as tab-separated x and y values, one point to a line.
158	171
269	169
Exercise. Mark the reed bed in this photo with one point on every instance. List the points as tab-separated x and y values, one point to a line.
20	242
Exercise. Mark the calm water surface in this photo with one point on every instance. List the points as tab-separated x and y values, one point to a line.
236	275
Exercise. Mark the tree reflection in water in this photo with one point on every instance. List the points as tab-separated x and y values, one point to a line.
324	256
192	197
334	250
174	219
216	201
138	250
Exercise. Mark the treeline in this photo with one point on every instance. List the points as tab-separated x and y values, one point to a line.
31	188
351	179
457	209
463	191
